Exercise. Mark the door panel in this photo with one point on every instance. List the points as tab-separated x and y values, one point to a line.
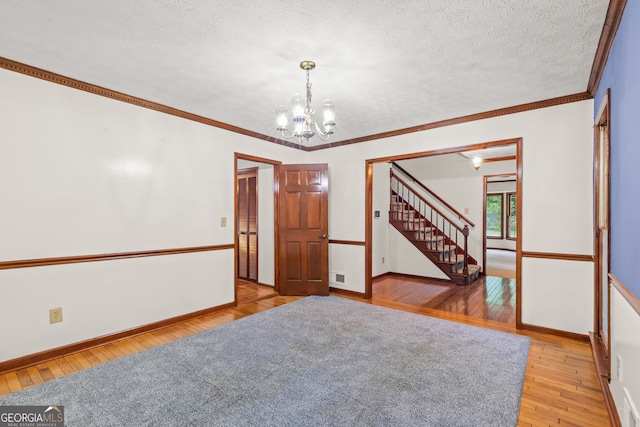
303	229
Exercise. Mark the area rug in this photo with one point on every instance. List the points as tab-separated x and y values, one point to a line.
319	361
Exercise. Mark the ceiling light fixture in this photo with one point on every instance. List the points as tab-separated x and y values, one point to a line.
477	161
304	127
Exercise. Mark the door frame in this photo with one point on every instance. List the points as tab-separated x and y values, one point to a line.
369	208
276	193
602	120
484	215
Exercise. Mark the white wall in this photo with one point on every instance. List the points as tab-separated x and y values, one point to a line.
625	344
405	258
101	298
347	260
557	148
82	174
556	292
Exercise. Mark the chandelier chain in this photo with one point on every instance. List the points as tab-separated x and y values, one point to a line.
308	90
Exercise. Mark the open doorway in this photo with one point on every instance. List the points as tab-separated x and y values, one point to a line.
458	175
254	226
500	225
281	227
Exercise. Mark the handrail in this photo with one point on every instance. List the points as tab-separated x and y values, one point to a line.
426	202
424	187
431	216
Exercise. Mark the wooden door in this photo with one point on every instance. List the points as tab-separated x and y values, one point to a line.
303	230
247	181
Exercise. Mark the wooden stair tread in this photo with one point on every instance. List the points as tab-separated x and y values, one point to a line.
473	268
427	237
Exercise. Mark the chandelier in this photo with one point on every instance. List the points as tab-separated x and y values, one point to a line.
304	127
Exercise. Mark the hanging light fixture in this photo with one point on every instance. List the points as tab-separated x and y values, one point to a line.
304	127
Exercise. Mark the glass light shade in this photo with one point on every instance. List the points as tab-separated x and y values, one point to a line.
477	161
281	117
299	129
297	106
329	113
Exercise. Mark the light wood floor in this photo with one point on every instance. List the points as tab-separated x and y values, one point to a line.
560	388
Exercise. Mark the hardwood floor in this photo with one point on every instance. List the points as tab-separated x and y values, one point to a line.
249	291
489	297
560	387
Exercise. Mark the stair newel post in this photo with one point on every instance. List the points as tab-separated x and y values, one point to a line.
465	232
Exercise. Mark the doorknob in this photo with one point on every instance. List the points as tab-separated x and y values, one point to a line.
324	236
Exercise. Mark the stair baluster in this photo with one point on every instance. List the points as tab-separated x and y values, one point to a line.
431	231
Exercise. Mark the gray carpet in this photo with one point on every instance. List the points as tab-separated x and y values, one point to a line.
319	361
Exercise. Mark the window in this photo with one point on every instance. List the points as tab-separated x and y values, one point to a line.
495	209
511	216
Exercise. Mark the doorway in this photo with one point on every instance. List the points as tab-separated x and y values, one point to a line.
374	213
500	219
602	240
254	228
302	192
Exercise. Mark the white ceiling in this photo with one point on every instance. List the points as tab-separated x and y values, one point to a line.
388	64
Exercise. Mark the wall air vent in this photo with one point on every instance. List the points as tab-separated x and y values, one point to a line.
337	278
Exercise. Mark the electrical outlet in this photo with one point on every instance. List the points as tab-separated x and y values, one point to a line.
223	221
55	315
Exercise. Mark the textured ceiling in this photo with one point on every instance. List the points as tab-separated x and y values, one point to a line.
388	64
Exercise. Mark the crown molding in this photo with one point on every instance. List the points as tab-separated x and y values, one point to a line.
582	96
608	35
28	70
18	67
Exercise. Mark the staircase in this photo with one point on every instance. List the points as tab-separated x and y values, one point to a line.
440	239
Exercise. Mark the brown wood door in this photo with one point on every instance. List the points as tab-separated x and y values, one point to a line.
247	181
303	229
